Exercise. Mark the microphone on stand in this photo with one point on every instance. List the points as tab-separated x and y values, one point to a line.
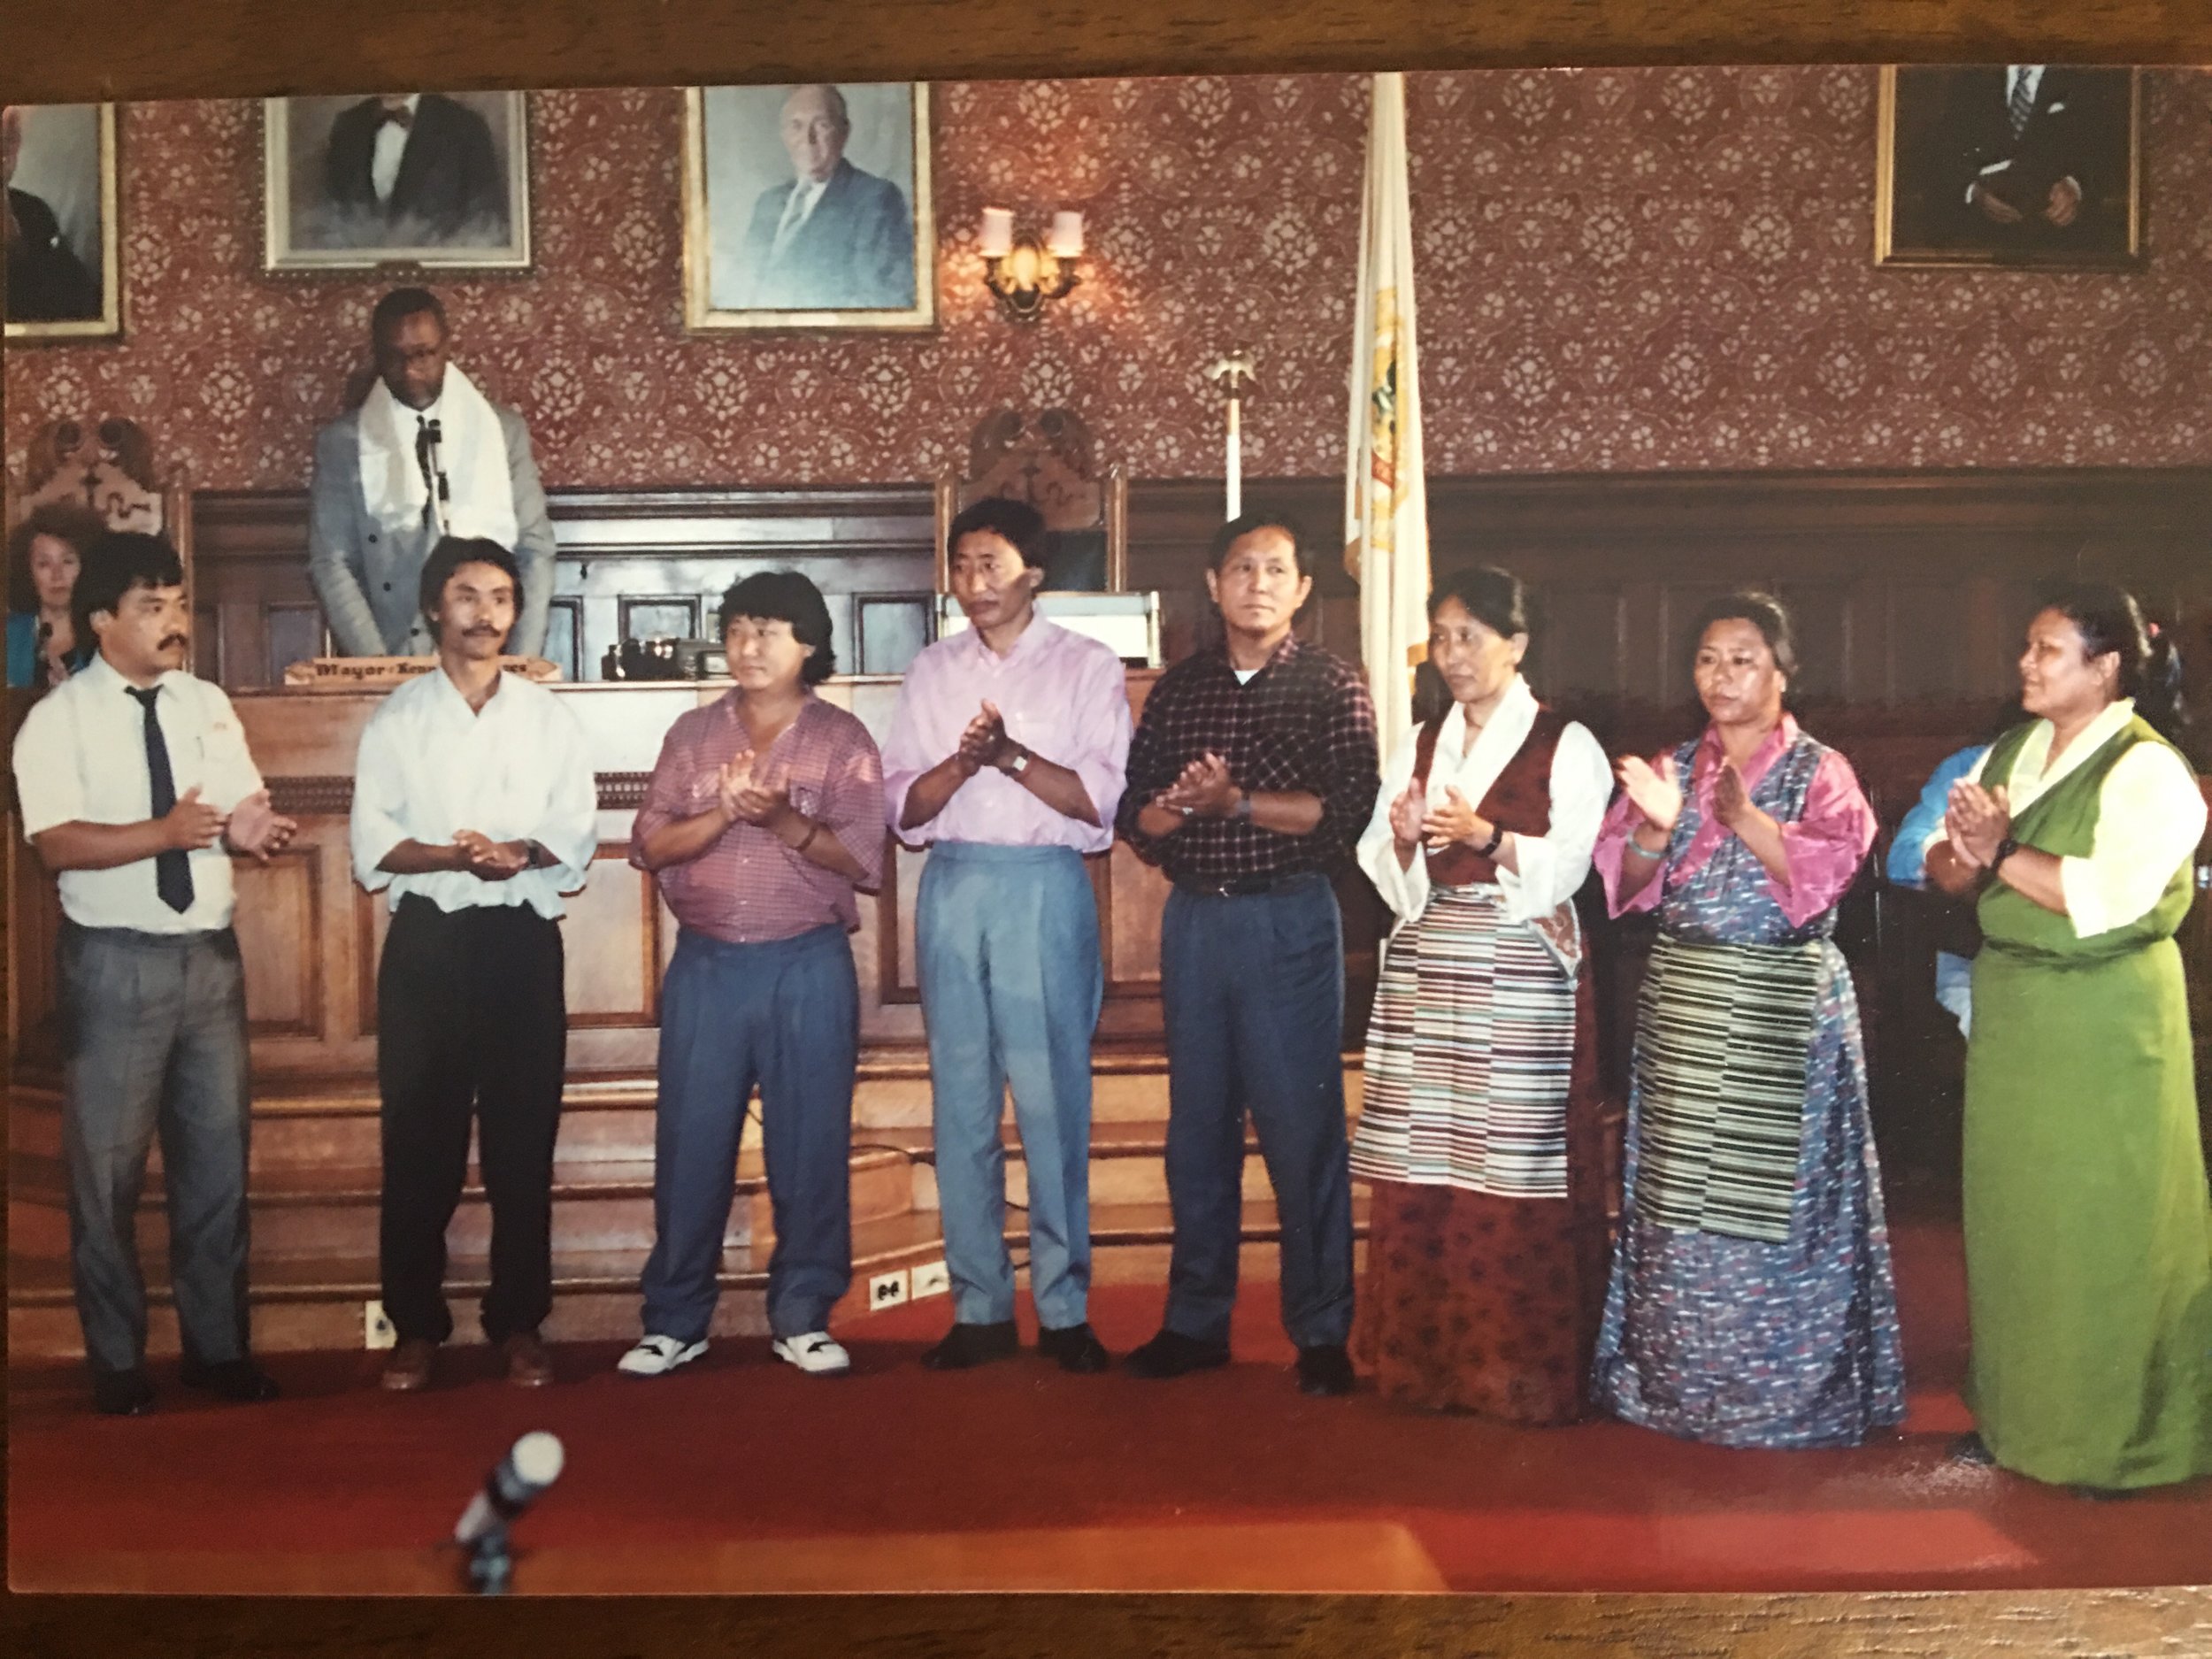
429	450
533	1464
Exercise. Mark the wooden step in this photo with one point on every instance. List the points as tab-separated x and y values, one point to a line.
610	1119
329	1212
319	1304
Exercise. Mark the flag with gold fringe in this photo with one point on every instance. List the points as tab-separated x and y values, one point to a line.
1386	494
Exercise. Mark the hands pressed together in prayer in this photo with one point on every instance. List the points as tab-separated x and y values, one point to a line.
1977	822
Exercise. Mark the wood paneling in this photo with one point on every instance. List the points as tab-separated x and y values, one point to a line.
612	946
279	923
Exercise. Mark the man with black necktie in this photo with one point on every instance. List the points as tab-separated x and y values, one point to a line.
136	787
2024	156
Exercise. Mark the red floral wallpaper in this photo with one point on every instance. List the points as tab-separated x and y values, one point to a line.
1620	270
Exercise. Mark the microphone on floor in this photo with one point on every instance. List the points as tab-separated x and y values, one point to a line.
533	1464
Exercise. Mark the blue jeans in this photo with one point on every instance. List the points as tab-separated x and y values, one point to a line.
1254	993
785	1015
1007	942
155	1028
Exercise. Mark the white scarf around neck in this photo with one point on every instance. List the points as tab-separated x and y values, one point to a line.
472	445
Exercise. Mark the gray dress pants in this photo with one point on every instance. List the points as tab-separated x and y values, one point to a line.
155	1032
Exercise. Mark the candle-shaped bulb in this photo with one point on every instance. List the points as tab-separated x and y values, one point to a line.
1065	241
997	240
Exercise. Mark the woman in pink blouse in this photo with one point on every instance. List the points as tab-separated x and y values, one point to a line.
1752	1302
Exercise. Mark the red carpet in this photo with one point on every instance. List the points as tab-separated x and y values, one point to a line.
1089	1470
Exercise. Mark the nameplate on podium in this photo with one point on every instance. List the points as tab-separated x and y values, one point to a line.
375	674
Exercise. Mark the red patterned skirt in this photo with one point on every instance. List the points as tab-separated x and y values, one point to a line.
1486	1304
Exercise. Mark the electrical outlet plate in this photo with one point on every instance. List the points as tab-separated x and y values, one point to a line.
376	1329
930	1278
887	1290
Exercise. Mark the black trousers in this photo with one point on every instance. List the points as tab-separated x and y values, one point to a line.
472	1022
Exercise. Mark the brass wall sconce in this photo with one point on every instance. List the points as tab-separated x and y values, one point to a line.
1022	274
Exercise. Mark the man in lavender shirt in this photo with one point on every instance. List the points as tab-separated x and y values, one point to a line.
1006	756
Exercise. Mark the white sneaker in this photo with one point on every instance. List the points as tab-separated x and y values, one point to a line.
658	1355
818	1352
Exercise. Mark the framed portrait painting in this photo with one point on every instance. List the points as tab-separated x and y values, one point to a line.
808	206
63	276
430	179
2030	165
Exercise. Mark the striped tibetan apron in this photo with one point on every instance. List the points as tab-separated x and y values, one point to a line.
1720	1078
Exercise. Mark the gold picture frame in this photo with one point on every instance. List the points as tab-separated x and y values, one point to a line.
476	216
69	153
1949	150
735	178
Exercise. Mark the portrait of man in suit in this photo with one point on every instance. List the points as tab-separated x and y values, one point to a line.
432	178
2024	164
418	157
809	205
53	160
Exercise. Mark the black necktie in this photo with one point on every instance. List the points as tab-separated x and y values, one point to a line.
173	871
2021	104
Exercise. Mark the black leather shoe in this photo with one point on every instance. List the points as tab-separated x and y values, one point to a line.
122	1393
1076	1347
967	1345
1172	1353
238	1379
1970	1450
1325	1370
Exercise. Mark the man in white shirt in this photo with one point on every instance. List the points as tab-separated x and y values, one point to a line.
135	788
474	804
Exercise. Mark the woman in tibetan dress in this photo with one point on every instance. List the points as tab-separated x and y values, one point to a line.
2088	1230
1752	1300
1481	1132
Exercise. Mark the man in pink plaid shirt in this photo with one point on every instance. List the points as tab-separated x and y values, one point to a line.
764	817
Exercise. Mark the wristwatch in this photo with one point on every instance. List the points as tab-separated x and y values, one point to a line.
2004	850
1243	811
1020	764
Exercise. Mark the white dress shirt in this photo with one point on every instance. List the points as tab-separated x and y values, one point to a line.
81	757
430	767
2150	816
391	148
1552	866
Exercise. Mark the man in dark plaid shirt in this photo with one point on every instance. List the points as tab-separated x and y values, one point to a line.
1250	778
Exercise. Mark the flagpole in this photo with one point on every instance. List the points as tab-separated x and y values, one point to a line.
1233	373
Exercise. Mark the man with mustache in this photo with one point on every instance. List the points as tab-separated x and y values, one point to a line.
474	804
136	789
383	493
1005	757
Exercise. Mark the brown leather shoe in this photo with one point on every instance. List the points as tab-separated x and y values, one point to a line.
528	1364
408	1368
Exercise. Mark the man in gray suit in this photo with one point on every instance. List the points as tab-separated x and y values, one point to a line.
425	454
835	238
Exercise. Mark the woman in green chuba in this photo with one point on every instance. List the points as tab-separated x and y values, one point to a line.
2088	1229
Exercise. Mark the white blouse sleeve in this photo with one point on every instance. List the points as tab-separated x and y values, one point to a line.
1553	866
1406	891
2150	816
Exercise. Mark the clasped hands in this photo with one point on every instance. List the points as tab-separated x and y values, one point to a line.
2061	207
1413	820
984	742
744	797
1976	822
251	828
1203	790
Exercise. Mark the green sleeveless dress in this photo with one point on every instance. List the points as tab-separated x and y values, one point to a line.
2088	1229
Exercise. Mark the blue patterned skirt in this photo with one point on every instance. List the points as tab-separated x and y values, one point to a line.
1743	1342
